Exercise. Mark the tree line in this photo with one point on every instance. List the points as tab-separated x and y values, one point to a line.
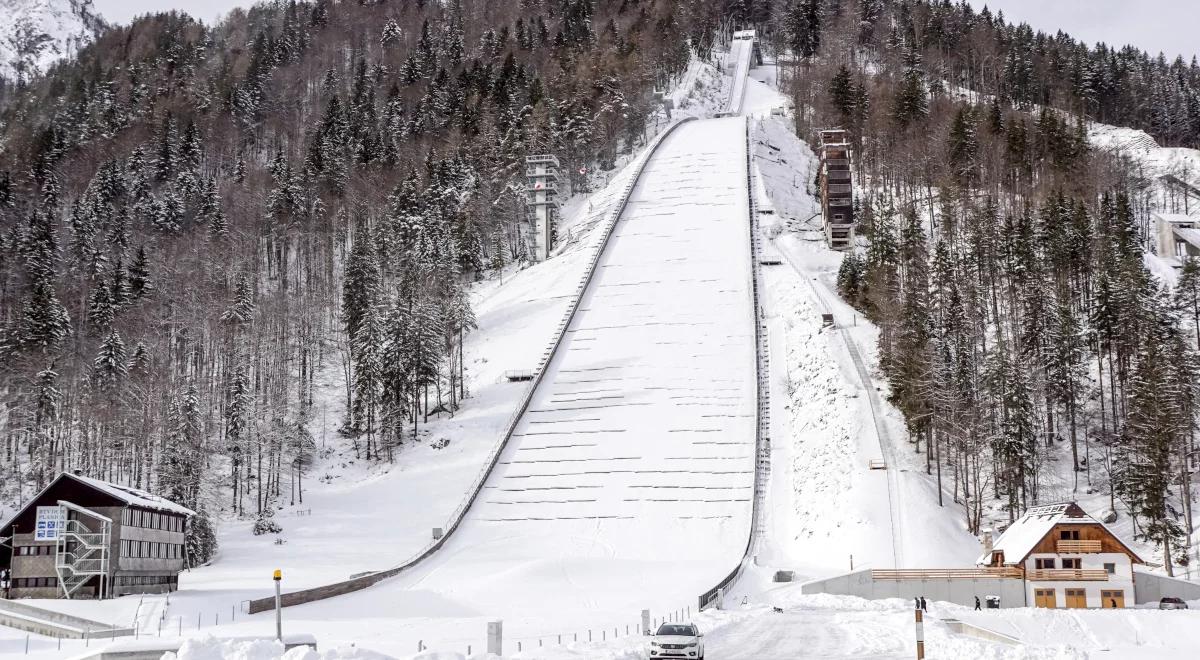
1021	334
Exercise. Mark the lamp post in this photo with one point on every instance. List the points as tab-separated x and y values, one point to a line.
278	577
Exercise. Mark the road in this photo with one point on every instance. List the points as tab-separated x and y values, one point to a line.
797	634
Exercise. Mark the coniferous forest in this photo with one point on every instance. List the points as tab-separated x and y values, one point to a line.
196	221
1031	352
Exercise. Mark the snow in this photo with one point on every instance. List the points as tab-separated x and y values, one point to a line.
642	433
41	32
211	648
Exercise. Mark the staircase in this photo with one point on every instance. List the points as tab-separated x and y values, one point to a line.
81	555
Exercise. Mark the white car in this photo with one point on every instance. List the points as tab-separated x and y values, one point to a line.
677	640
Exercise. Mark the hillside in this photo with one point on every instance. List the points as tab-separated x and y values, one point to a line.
35	34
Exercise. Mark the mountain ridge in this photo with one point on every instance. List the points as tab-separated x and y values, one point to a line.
34	34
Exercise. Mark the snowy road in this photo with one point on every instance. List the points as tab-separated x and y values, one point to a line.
797	634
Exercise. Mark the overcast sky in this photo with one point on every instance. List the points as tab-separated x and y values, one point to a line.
1169	26
122	11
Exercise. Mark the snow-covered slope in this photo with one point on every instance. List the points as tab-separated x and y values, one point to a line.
35	34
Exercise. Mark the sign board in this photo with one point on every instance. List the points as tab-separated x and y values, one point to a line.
50	521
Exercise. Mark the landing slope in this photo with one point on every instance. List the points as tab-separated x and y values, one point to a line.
634	466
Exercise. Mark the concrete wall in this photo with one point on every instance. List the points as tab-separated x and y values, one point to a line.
962	592
1152	587
54	624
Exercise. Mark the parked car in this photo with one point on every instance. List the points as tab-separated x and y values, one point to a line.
1172	603
677	640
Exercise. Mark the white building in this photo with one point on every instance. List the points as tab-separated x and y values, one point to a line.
1069	559
1177	236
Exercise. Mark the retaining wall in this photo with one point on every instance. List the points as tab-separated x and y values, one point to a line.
1151	587
961	591
54	624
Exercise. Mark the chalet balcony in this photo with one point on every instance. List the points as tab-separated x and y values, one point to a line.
837	163
838	175
839	188
1068	575
945	573
542	158
1078	547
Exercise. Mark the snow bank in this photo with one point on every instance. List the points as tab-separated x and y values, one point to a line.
211	648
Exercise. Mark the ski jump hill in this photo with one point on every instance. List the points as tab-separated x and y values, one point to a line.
629	478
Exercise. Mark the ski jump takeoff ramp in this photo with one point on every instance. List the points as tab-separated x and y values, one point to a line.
628	482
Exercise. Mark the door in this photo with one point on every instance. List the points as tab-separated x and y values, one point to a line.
1044	598
1076	599
1112	598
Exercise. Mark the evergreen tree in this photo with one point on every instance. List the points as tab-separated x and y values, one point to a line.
241	310
111	363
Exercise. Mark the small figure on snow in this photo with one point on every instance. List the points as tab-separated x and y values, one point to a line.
916	603
977	608
923	606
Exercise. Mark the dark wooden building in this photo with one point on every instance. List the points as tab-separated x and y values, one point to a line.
86	538
837	191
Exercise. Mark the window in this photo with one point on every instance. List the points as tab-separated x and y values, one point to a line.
1072	562
34	550
1068	535
1044	564
1111	569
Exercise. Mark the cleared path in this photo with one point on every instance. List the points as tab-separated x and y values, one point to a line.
628	483
798	634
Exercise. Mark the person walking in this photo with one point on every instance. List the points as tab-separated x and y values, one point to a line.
977	608
924	608
4	582
916	603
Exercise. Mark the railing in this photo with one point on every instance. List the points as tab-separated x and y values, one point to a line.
456	518
546	188
542	158
549	171
838	175
1077	547
840	201
838	188
945	573
837	162
762	437
1069	574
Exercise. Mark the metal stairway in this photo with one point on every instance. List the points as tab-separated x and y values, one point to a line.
82	554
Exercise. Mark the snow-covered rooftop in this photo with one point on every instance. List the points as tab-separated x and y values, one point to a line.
1020	538
127	494
133	496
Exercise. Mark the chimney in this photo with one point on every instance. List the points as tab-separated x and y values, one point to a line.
987	541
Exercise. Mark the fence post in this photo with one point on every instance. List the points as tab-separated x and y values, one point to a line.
495	637
920	636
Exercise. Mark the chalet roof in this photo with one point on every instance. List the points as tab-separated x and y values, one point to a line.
129	495
1023	535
